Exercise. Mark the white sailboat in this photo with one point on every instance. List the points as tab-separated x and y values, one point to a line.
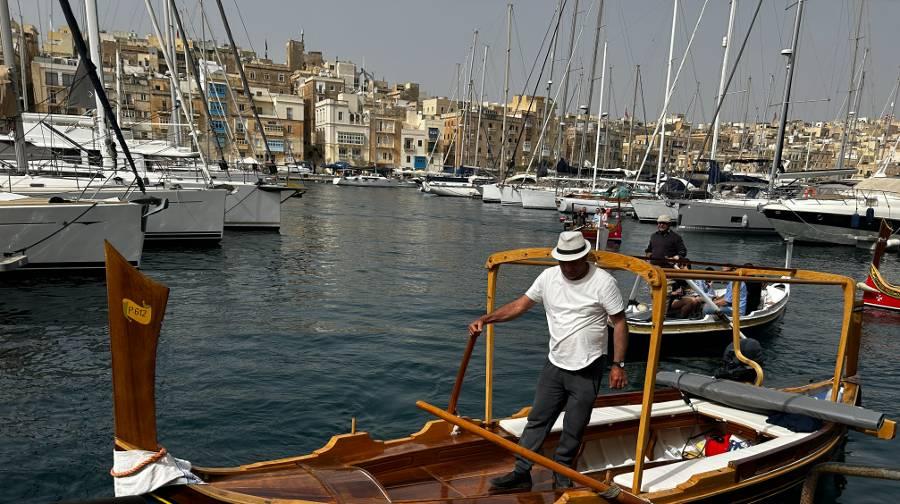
51	233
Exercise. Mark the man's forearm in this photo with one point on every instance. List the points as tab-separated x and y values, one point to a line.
508	311
620	338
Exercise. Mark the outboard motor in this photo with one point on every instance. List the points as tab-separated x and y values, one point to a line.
735	370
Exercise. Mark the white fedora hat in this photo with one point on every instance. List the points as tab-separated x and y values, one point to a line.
664	219
571	246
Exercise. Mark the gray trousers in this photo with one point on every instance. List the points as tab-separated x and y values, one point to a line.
559	389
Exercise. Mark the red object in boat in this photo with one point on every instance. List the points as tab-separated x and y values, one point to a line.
716	444
881	293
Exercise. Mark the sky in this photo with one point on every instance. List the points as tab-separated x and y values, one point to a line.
423	41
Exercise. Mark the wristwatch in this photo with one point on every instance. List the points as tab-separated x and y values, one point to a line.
619	364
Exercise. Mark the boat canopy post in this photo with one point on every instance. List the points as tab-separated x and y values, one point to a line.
493	271
843	362
736	335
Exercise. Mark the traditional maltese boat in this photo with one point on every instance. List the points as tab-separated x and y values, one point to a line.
878	292
635	448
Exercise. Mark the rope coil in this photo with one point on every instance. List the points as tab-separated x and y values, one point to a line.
141	465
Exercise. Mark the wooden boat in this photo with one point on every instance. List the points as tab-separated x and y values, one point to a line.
764	309
878	292
451	459
590	230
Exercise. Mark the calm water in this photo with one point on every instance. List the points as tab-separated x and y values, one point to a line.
358	308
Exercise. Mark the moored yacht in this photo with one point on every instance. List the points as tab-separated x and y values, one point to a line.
39	233
839	219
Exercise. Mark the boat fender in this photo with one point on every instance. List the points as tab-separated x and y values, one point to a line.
854	220
745	221
59	199
870	215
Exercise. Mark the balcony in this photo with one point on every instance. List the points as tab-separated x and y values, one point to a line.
273	130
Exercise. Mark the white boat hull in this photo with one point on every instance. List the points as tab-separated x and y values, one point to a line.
374	182
541	199
774	303
569	205
739	216
193	214
252	206
823	221
648	210
455	191
510	195
69	236
490	193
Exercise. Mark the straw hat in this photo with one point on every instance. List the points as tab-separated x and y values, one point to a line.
571	246
663	219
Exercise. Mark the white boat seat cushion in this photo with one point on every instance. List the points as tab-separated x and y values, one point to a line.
668	477
604	416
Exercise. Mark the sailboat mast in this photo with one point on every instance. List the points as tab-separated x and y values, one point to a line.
468	100
90	6
792	58
662	129
9	57
637	73
599	119
606	122
726	43
119	95
171	64
247	93
191	62
565	83
480	107
502	169
550	80
22	51
845	132
99	91
593	77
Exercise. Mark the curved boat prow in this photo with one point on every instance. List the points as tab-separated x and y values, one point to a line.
137	305
879	292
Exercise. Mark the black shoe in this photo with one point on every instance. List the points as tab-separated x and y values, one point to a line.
561	482
511	482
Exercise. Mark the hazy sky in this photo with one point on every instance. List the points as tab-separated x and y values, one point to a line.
422	41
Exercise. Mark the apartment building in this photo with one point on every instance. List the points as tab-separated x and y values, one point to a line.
342	130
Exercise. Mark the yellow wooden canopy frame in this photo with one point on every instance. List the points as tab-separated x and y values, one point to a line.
656	277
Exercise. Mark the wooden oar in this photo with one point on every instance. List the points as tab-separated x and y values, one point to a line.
610	492
457	387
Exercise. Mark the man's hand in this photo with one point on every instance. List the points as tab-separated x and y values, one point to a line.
476	327
617	377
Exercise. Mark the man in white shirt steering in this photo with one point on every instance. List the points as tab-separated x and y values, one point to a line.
580	300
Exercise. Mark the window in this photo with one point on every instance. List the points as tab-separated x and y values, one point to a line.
420	143
350	138
144	97
340	116
252	74
288	128
265	76
239	127
408	159
289	113
281	77
52	78
67	79
241	107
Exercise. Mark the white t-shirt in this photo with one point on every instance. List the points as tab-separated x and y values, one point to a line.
577	314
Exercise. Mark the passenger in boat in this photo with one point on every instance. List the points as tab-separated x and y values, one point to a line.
665	245
724	302
599	218
580	218
580	301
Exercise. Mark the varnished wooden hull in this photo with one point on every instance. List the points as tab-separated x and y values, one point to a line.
435	466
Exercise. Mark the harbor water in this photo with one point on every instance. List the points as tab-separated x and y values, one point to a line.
274	342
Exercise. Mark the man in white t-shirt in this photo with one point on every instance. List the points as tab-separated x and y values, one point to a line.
580	300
